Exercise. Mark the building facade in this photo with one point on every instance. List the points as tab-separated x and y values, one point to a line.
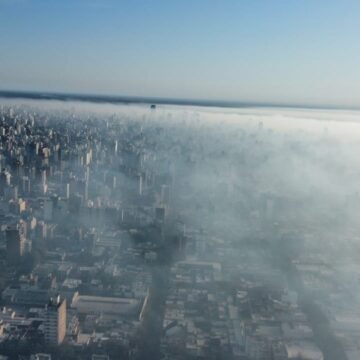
55	321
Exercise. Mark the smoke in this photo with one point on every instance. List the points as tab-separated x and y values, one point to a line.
282	183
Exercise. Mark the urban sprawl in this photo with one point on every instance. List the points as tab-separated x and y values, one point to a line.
141	236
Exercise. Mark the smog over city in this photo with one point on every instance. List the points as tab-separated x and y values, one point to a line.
179	180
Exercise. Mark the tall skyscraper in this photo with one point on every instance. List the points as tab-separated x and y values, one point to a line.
55	321
43	177
86	185
140	177
165	194
15	242
48	210
67	191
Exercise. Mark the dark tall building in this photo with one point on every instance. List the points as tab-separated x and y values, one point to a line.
15	242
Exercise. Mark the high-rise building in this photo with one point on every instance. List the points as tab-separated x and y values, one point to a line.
165	194
26	188
160	213
67	191
86	185
15	242
55	321
48	210
43	178
140	177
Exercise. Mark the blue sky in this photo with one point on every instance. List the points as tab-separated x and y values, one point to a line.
298	51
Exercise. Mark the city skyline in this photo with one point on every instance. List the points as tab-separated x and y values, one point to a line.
179	180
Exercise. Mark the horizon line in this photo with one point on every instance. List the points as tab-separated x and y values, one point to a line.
150	100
